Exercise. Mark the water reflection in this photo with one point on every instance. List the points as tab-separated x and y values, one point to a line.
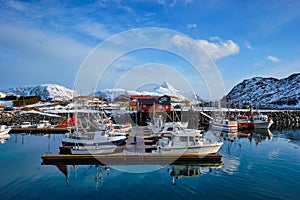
99	172
292	135
190	171
4	138
238	139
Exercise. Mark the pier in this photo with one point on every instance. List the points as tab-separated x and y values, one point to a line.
131	159
136	151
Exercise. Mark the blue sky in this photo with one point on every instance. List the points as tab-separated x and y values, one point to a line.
47	41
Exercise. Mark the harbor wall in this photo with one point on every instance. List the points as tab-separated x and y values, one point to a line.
11	118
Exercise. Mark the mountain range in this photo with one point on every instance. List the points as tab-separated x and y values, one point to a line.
267	93
258	92
164	89
54	91
62	93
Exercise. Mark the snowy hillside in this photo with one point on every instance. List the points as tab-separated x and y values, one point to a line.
267	92
54	91
160	90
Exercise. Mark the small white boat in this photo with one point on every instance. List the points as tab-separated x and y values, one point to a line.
120	127
4	130
113	132
187	143
225	125
43	124
25	125
261	121
168	128
90	139
95	149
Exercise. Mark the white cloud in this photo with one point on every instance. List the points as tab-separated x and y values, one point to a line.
216	48
190	26
94	29
273	59
248	45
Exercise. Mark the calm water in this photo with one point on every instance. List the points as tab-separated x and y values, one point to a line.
264	167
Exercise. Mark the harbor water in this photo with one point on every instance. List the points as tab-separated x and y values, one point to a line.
260	165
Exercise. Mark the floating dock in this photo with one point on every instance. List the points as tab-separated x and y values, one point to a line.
130	159
134	152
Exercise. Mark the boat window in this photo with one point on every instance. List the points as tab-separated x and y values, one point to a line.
170	129
183	139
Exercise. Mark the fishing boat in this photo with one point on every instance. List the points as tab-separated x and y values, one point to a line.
261	121
243	122
4	130
88	132
168	128
100	138
224	125
95	149
120	127
43	124
187	143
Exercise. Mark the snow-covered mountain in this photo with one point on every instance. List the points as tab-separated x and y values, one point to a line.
267	92
54	91
160	90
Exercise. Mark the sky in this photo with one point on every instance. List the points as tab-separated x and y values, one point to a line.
51	41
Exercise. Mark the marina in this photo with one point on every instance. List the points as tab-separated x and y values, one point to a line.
165	99
179	151
267	158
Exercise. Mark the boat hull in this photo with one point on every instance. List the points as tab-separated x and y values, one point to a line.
262	125
203	149
104	149
223	128
84	142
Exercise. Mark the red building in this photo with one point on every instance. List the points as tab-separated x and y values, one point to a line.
147	103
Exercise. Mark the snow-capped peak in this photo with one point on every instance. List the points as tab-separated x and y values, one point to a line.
267	92
164	89
54	91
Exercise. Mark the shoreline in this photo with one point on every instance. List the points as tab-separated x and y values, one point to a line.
196	119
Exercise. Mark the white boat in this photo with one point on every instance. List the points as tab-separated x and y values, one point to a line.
95	149
91	139
120	127
43	124
113	132
88	132
168	128
25	125
187	143
225	125
4	130
261	121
